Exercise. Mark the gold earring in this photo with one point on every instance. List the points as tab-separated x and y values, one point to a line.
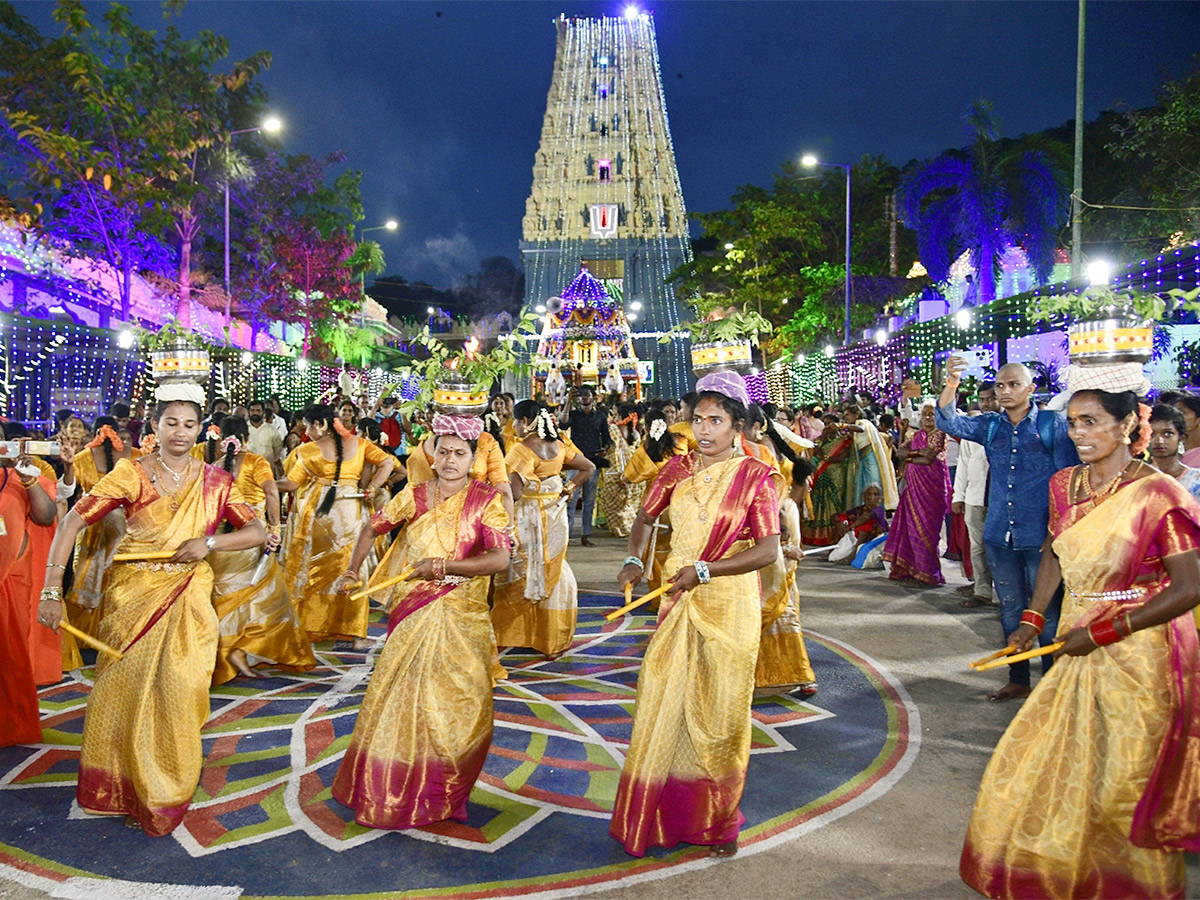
1128	439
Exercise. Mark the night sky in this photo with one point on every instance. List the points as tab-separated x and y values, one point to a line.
440	104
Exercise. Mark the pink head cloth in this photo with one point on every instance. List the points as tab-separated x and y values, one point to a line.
468	428
728	383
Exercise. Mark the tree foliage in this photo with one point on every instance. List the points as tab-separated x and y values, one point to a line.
1166	138
984	199
103	128
781	250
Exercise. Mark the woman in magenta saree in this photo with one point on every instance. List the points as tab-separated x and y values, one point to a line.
1094	789
425	726
912	543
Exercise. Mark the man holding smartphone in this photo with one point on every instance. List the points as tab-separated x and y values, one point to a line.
1024	447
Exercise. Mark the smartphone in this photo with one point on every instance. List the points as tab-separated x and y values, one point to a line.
12	449
976	361
43	448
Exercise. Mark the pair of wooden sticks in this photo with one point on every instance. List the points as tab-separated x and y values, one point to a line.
1006	656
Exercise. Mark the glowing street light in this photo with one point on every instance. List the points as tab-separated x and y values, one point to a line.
271	125
962	319
881	336
631	12
809	161
1099	271
829	350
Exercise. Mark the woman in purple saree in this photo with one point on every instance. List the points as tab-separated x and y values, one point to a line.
912	544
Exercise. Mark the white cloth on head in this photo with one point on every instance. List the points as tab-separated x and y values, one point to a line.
1113	378
180	392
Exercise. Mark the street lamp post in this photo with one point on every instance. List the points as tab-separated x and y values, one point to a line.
270	125
389	225
810	161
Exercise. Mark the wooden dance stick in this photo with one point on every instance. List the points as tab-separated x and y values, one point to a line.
645	598
1004	652
629	593
89	640
403	576
1020	657
139	557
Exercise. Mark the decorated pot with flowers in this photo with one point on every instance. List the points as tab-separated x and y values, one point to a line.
722	341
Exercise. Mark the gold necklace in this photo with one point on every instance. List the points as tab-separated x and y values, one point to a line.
1108	487
451	541
702	513
171	496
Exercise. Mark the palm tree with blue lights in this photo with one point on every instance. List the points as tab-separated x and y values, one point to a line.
984	199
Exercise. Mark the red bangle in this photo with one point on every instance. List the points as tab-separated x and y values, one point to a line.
1123	625
1104	633
1034	619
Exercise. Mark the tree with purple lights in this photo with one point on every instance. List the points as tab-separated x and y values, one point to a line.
104	129
983	200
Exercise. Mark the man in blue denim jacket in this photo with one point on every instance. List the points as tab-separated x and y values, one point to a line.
1023	451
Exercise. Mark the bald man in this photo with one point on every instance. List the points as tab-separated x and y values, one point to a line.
1025	446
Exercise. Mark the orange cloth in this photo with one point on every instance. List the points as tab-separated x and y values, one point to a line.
19	719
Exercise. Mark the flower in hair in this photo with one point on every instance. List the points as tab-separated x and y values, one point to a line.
231	441
213	433
106	433
658	428
342	429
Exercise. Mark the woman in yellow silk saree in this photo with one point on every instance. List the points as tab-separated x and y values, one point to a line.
96	544
686	767
425	726
647	460
141	754
257	622
328	514
537	601
1095	787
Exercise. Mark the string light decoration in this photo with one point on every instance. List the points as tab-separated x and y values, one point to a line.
1007	325
615	112
61	365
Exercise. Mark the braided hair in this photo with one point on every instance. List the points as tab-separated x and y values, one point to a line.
491	424
771	430
322	414
100	422
235	427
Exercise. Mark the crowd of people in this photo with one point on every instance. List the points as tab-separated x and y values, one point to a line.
207	545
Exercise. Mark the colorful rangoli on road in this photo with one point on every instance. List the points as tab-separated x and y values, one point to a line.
263	823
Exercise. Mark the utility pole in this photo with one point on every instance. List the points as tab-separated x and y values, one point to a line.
1077	190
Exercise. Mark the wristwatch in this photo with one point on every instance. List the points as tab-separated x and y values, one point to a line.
210	543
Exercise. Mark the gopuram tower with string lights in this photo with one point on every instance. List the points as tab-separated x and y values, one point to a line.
606	194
